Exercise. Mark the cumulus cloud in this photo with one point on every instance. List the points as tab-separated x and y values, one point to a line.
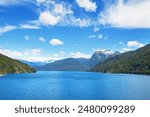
42	39
7	28
127	14
54	13
79	55
55	42
47	18
126	50
134	44
88	5
131	45
61	14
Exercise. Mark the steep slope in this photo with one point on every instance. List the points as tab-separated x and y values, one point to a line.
100	56
137	62
8	65
69	64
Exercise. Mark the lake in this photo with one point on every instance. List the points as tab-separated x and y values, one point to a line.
64	85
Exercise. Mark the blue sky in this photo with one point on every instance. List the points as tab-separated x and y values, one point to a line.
39	30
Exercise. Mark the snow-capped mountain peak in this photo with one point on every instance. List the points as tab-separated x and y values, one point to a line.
107	52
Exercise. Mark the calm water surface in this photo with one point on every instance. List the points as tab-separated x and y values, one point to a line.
74	85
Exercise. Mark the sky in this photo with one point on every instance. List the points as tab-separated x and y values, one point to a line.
41	30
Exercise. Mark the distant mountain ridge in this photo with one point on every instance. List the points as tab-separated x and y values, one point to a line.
34	64
9	65
69	64
78	64
136	62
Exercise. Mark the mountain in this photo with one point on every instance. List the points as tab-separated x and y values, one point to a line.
78	64
34	64
8	65
69	64
100	56
136	62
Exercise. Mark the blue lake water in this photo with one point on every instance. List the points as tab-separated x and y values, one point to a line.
57	85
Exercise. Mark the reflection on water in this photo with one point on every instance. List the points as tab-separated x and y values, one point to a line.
74	85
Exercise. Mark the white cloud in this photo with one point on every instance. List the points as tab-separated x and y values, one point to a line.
7	28
34	24
131	45
32	52
55	13
126	50
134	44
47	18
35	51
85	22
33	55
96	29
62	10
121	43
28	26
42	39
79	55
44	2
40	1
59	54
17	54
88	5
27	37
61	14
10	53
55	42
92	36
38	58
130	14
100	36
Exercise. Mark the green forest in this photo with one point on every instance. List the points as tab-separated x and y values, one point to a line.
134	62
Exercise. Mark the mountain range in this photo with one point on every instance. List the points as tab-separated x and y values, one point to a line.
9	65
78	64
106	61
34	64
135	62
